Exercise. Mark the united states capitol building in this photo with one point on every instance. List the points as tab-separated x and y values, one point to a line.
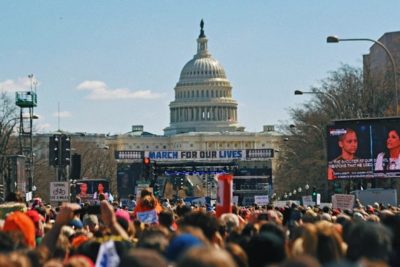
204	136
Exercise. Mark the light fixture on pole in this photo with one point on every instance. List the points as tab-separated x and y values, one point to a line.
328	95
335	39
306	187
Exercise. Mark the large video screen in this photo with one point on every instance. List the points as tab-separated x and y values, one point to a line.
368	148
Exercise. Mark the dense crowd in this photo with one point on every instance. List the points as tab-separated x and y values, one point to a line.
156	232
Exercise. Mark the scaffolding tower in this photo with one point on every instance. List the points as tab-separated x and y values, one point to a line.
27	101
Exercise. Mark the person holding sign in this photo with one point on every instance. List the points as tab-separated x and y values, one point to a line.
147	208
348	144
390	159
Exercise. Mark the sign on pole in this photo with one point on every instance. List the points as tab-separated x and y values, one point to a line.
343	201
59	191
261	200
235	200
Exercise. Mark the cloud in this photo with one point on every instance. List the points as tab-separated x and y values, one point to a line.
20	84
62	114
99	91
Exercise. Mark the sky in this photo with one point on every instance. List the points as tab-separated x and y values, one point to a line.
102	66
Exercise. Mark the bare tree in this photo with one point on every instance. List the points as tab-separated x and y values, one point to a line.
97	161
303	154
8	125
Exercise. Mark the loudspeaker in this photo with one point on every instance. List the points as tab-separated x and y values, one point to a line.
76	166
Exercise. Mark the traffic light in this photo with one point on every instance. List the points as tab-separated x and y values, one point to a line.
146	167
337	187
65	150
146	161
54	148
154	168
314	194
76	166
156	189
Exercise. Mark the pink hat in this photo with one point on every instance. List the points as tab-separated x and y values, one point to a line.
123	214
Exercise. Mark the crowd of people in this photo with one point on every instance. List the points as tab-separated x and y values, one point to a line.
163	233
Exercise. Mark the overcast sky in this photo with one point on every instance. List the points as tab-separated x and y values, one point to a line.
112	64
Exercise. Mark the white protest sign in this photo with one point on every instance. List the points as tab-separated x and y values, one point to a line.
343	201
307	201
59	191
107	255
318	199
149	217
235	200
261	200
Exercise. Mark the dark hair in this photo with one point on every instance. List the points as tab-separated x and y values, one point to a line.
143	258
370	240
207	223
259	244
166	218
154	239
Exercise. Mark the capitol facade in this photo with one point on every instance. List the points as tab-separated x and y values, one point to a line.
203	135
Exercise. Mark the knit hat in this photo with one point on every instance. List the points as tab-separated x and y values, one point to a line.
181	244
123	214
76	223
19	221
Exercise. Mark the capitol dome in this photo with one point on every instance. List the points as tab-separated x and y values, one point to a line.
200	68
203	96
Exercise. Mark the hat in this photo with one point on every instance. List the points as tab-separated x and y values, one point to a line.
123	214
76	223
180	244
19	221
77	241
35	216
37	202
335	212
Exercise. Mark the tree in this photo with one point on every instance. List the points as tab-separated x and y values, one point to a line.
346	93
96	161
8	124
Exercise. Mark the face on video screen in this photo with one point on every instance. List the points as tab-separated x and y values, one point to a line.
349	143
393	140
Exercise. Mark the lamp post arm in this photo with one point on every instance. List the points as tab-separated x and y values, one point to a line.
331	97
334	100
391	60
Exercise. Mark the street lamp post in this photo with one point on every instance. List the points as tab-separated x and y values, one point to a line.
299	190
335	39
306	187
